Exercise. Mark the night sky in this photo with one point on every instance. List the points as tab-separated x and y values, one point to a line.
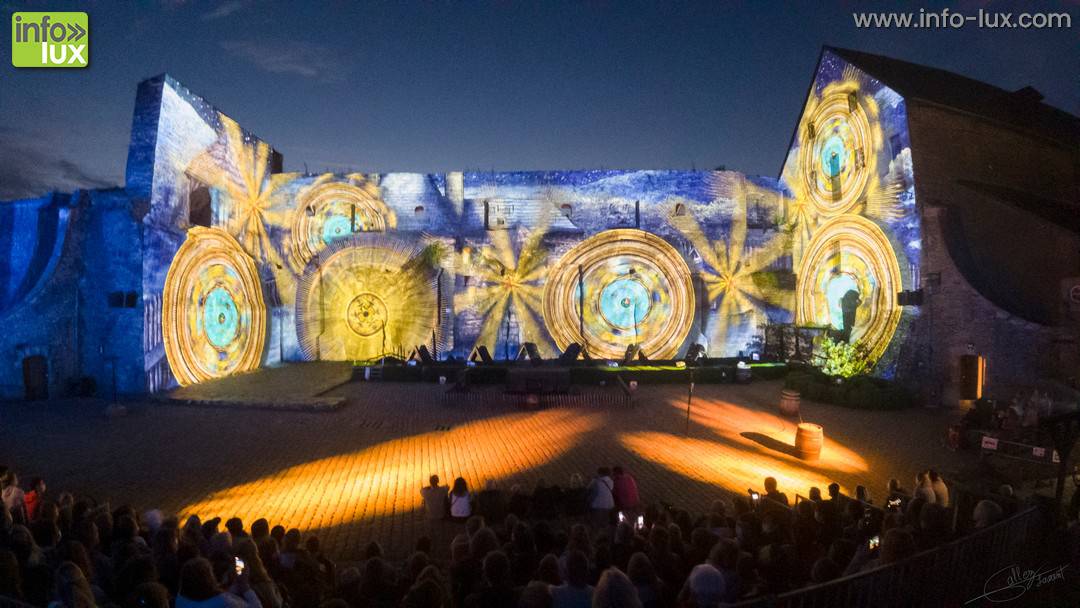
436	86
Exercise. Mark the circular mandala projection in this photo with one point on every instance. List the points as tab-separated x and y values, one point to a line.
213	318
329	211
365	296
835	152
637	289
848	280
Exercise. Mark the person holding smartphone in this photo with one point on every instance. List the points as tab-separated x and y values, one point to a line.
199	589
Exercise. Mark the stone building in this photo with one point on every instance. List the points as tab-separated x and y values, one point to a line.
922	214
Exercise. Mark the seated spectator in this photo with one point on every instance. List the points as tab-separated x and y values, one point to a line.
199	589
626	491
235	527
897	544
773	494
497	589
522	554
434	497
704	587
933	527
148	595
460	501
72	588
815	494
863	495
298	570
894	490
34	498
575	499
536	594
520	503
986	513
924	488
941	491
14	497
650	589
491	502
425	594
725	558
601	498
378	583
548	571
824	570
614	590
576	591
835	496
260	530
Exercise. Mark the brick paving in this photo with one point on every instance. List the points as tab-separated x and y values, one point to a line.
353	474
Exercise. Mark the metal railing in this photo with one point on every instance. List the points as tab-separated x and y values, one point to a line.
947	575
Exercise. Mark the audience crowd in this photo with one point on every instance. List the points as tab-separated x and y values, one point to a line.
586	544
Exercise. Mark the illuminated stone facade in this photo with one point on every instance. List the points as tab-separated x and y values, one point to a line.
243	265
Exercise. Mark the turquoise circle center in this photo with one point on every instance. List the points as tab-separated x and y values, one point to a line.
624	302
835	289
221	320
833	155
336	227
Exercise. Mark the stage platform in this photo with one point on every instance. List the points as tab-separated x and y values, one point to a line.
353	474
310	386
295	386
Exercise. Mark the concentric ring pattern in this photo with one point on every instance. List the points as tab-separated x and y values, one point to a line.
850	264
636	289
213	316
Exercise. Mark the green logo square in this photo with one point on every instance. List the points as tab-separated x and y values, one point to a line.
50	40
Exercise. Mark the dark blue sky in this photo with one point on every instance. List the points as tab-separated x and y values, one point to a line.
436	86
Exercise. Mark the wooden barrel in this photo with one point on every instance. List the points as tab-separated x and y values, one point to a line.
808	440
789	402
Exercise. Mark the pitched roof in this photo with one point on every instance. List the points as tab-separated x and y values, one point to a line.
1022	109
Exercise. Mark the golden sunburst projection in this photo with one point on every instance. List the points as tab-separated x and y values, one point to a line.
213	318
238	165
365	296
848	280
330	210
730	271
508	282
637	289
391	470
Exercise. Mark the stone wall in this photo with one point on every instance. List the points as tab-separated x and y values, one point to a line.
991	270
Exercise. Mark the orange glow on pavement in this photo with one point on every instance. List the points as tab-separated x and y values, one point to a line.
719	463
731	421
391	473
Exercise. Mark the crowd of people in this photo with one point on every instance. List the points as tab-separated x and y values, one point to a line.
587	544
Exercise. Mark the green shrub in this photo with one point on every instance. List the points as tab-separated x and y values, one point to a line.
861	391
836	358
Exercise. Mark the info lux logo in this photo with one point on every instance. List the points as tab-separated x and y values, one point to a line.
50	40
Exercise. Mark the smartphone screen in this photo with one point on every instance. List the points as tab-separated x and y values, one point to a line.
622	517
640	522
239	566
874	542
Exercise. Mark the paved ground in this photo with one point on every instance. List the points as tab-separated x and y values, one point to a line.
353	474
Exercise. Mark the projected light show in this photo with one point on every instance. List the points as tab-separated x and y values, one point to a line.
618	288
355	266
214	316
361	296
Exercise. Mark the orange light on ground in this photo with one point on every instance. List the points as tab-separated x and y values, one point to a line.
731	421
392	472
719	463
